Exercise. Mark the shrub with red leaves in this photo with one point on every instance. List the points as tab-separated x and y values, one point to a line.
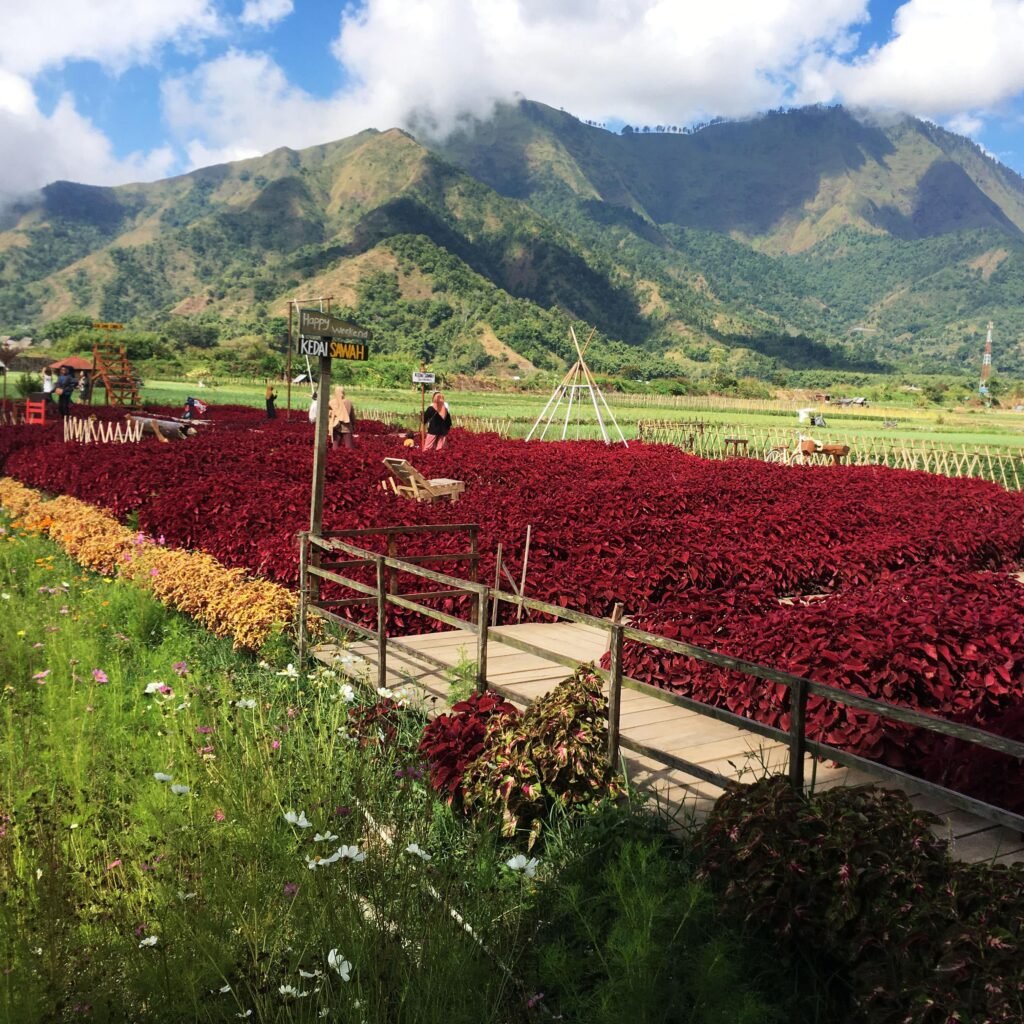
913	609
450	742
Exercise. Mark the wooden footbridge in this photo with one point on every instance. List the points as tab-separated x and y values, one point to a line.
682	752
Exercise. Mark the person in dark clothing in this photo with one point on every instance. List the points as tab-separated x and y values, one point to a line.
438	421
66	385
271	396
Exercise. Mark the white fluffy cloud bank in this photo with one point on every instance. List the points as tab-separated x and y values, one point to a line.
433	61
40	147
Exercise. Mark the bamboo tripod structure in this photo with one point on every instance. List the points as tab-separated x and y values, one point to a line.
573	384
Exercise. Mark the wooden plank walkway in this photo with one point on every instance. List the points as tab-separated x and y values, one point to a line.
716	746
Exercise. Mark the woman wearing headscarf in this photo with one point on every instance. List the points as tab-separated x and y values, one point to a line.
341	421
438	421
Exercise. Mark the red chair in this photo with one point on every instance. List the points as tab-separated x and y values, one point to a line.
35	411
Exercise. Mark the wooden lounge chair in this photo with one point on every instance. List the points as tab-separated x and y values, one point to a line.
408	482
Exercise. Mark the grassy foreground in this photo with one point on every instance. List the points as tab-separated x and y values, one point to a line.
189	833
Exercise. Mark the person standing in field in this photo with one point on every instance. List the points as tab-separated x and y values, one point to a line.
271	397
66	385
312	408
341	420
48	383
438	421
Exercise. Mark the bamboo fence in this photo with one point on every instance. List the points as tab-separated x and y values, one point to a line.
1003	465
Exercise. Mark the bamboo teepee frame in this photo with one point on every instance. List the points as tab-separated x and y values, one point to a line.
573	384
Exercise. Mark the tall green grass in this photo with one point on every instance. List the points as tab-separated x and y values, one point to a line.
164	801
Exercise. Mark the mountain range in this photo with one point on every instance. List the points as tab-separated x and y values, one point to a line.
803	238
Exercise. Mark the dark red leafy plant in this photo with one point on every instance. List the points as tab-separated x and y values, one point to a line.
451	741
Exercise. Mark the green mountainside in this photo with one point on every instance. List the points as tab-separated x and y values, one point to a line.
803	239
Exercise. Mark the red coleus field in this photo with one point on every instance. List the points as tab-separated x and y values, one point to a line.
918	606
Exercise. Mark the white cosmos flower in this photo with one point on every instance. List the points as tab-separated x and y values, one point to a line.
520	863
339	965
152	688
161	777
299	819
415	849
186	896
306	974
291	672
179	790
225	988
246	703
347	693
291	992
352	852
150	940
383	691
5	597
328	838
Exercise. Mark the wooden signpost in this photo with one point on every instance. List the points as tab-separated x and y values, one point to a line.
327	337
423	378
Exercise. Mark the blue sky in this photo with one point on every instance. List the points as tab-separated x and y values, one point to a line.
126	90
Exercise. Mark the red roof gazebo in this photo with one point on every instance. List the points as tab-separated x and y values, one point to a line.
74	362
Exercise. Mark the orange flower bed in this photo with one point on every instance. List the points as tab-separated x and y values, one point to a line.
225	601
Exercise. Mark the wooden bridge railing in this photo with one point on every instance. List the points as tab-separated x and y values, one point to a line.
799	688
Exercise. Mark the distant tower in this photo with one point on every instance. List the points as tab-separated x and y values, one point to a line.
986	362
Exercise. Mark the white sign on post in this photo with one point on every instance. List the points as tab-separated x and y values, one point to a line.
418	377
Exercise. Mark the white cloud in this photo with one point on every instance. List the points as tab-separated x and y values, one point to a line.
241	105
264	13
643	60
965	124
39	149
434	60
115	33
945	57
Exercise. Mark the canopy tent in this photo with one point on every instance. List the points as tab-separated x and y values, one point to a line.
576	388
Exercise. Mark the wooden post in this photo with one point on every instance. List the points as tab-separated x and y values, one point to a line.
423	409
303	584
797	732
288	415
615	687
316	506
382	626
392	573
522	578
483	596
497	585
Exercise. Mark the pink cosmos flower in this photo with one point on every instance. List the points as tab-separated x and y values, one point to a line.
100	676
218	815
114	864
40	677
181	668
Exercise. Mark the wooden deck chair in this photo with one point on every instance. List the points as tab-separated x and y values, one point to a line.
408	482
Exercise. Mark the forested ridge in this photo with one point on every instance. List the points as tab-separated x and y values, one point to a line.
799	240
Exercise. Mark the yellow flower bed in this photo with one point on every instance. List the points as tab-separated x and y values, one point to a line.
223	600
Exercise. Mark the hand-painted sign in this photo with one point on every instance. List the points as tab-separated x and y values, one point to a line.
108	327
314	324
418	377
322	347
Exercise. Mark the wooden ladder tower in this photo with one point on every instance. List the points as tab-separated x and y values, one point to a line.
111	366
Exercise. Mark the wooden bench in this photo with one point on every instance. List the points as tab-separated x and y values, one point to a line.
408	482
733	445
